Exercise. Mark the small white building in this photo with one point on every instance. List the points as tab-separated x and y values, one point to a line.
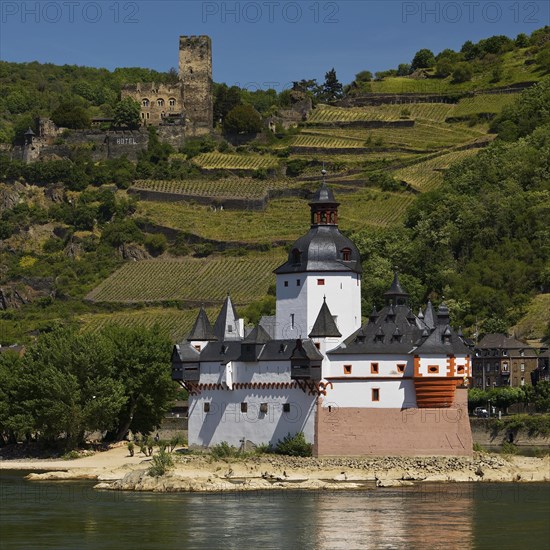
392	385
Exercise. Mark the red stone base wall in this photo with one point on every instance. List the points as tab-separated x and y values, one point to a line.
394	432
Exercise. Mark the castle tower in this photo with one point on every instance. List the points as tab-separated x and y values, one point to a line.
323	267
195	71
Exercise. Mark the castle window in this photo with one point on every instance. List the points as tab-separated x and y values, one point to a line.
375	394
198	348
320	282
286	283
244	407
317	345
229	328
142	115
292	321
522	367
346	254
160	102
433	369
146	115
347	369
374	368
460	369
145	102
172	102
401	368
263	408
206	407
297	282
286	407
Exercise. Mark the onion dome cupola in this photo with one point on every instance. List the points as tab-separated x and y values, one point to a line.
323	248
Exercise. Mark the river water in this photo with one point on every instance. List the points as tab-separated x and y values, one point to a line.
71	515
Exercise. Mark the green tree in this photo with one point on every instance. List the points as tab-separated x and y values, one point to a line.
243	119
142	359
423	59
332	88
403	69
127	113
72	116
225	99
363	76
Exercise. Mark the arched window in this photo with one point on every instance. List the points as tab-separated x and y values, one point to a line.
172	102
145	102
160	102
346	254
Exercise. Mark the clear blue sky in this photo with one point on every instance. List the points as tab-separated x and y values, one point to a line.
259	42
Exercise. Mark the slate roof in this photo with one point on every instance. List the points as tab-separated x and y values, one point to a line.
185	353
429	316
396	290
269	323
202	329
323	195
501	341
258	336
442	340
390	332
306	349
324	325
227	317
321	250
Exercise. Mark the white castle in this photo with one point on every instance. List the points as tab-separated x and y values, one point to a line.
395	385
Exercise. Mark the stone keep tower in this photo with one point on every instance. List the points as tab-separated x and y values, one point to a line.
195	72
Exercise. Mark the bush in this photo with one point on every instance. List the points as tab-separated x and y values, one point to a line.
223	450
508	448
162	462
294	445
462	73
156	244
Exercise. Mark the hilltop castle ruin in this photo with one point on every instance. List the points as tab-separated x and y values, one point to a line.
186	103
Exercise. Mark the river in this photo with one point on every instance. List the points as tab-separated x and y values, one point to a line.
71	515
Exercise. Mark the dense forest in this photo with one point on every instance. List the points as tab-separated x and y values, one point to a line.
482	239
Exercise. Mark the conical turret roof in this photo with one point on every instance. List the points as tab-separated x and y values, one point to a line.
324	325
226	326
202	329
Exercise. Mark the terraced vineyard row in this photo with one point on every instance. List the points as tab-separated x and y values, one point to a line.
224	161
173	323
371	207
422	111
423	136
226	187
196	280
327	140
428	175
483	103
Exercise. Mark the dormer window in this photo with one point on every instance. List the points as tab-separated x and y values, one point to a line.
346	254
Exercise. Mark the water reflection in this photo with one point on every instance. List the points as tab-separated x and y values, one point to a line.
450	516
425	516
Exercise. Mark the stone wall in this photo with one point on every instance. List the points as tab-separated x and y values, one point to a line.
486	436
394	432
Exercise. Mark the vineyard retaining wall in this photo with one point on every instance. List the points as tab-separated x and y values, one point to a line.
363	124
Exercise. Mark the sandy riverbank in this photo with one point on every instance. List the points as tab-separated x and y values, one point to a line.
115	470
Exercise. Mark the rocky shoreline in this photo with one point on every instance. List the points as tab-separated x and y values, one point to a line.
201	473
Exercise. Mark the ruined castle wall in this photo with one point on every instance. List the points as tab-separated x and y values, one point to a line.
195	71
